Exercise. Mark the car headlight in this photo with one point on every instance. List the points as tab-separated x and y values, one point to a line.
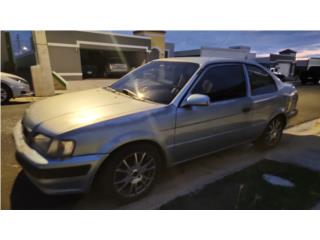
41	143
53	148
61	149
289	104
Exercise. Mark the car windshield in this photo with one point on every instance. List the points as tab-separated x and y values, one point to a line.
158	81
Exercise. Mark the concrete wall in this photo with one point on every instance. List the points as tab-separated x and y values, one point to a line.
65	60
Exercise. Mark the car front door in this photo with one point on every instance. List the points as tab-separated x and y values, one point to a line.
204	129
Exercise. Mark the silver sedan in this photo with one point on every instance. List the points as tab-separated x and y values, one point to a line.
166	112
13	86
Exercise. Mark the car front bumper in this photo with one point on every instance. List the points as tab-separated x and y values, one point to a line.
292	113
73	175
21	90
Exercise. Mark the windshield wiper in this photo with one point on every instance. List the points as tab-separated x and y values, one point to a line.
125	91
109	88
130	93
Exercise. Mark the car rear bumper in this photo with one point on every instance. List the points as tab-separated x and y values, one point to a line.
72	175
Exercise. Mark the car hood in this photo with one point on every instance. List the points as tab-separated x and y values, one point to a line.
13	79
66	112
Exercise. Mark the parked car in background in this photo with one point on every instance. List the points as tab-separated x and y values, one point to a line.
116	69
13	86
311	75
276	72
89	71
163	113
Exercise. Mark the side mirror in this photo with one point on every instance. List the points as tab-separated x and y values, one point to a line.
197	100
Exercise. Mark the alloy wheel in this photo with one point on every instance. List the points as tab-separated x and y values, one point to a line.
4	94
134	174
274	131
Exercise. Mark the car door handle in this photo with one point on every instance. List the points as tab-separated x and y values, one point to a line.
246	109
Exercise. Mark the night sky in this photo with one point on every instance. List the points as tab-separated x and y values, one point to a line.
306	43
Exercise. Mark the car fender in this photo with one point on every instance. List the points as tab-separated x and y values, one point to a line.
133	137
278	111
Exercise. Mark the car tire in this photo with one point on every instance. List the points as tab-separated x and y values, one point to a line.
5	94
272	134
129	173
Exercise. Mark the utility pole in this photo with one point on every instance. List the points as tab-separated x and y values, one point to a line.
42	73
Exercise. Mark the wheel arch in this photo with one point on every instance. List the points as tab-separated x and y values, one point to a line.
7	86
282	116
163	155
10	92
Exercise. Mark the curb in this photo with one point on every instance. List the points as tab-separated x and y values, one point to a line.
304	127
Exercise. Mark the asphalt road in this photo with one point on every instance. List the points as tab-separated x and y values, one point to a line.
18	193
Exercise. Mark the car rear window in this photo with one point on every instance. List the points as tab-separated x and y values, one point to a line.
260	81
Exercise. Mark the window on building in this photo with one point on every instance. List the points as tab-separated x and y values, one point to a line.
222	83
260	81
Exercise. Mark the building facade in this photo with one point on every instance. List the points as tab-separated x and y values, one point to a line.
284	62
74	53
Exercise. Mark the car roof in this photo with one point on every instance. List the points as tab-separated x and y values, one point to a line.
204	60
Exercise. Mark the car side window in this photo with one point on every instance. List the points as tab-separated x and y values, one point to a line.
260	81
222	83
